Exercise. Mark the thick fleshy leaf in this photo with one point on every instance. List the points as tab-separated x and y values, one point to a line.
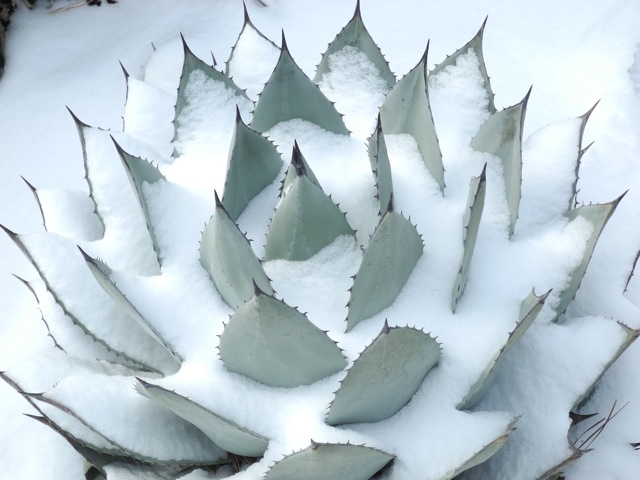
406	109
251	44
228	257
141	172
286	349
169	440
573	201
384	377
298	164
529	310
471	226
82	129
99	459
597	215
355	34
474	45
630	336
484	454
305	221
222	432
101	272
92	310
191	65
379	159
387	262
329	461
290	94
501	135
253	164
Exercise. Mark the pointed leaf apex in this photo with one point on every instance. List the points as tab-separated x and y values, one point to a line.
31	187
483	175
256	289
296	161
79	122
385	327
586	115
283	45
185	47
238	115
247	20
11	233
218	202
619	199
484	24
357	14
313	444
425	55
85	255
124	70
526	97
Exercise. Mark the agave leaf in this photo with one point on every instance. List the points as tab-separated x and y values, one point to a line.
34	191
630	336
42	316
222	432
194	64
67	212
484	454
172	440
101	272
385	376
501	135
387	262
139	172
298	164
227	255
287	350
597	215
137	349
471	225
305	221
529	310
253	164
245	73
355	34
290	94
328	461
474	45
82	129
97	458
406	109
573	200
379	159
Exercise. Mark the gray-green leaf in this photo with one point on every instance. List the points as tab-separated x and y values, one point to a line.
228	257
385	376
273	343
222	432
253	164
290	94
406	109
471	226
329	461
501	135
387	262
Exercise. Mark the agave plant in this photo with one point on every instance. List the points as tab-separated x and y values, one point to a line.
345	341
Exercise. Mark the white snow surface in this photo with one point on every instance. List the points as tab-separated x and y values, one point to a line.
584	52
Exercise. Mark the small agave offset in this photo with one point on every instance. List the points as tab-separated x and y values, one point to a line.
182	352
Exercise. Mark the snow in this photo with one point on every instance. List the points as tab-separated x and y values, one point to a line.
584	52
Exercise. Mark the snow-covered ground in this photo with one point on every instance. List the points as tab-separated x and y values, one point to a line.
573	53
